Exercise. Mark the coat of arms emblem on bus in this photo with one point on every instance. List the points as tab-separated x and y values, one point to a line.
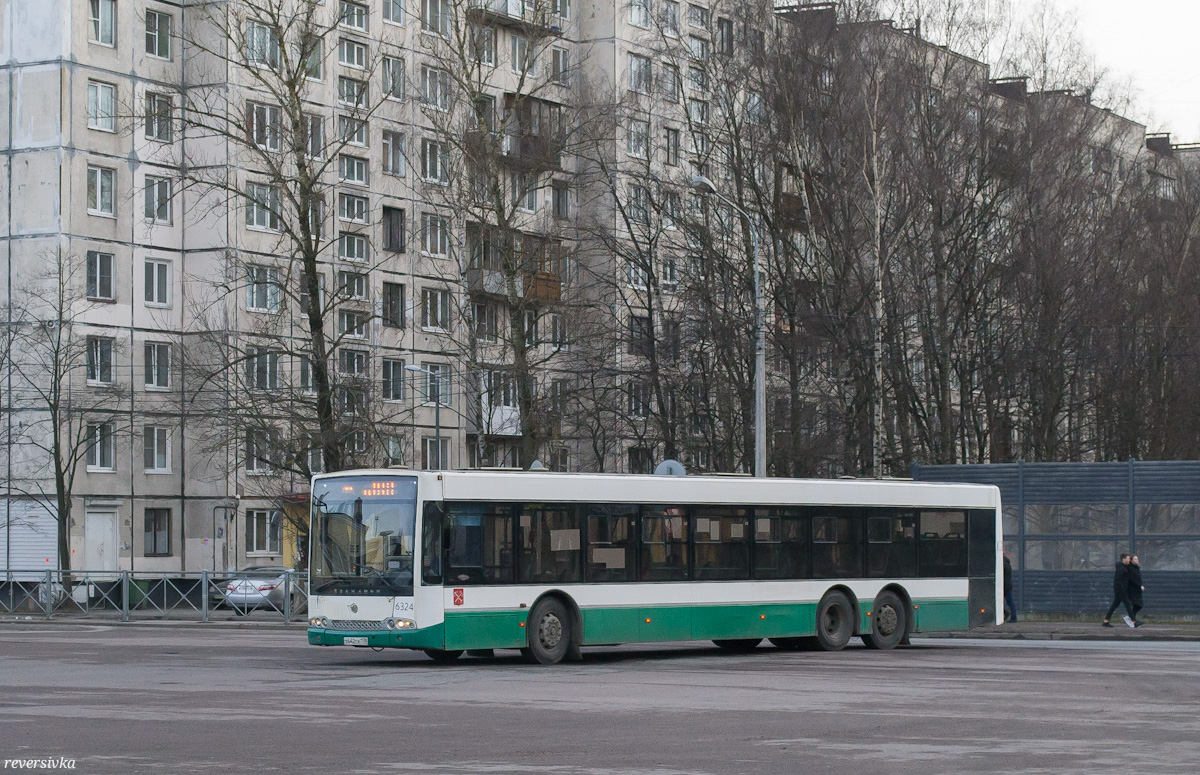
458	597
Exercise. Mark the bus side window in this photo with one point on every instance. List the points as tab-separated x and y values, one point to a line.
612	542
943	546
431	544
780	543
478	543
664	543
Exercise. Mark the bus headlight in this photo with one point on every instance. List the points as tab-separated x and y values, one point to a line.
401	624
318	621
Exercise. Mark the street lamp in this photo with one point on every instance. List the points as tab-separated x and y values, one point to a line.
435	383
703	185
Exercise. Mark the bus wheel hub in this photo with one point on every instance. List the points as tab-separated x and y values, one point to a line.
886	620
550	631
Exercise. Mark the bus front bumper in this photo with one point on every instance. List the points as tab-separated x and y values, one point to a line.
425	638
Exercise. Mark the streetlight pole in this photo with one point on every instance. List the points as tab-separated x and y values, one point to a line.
435	384
703	185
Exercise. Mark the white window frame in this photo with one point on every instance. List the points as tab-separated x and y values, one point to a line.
435	234
353	91
436	17
353	208
102	448
352	53
354	16
96	276
352	324
156	449
102	23
263	202
157	363
102	191
352	246
353	170
639	13
394	150
159	125
352	286
102	106
638	139
394	12
266	123
262	46
435	309
442	372
256	438
157	283
435	87
393	78
157	38
262	285
157	207
353	131
99	360
641	74
267	541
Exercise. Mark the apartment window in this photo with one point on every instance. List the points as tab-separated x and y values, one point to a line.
670	209
393	229
157	205
351	53
262	206
640	335
99	275
639	13
305	298
102	106
353	16
436	17
561	200
158	365
435	87
435	234
755	111
159	110
698	47
314	59
639	74
352	285
157	525
483	45
352	246
435	455
262	368
352	208
698	78
639	399
560	65
352	324
158	34
725	37
638	141
103	25
484	317
561	8
698	112
558	332
306	380
262	288
263	123
313	127
435	161
639	204
671	18
393	305
523	59
393	78
156	449
352	91
262	525
697	16
100	360
671	87
352	169
157	283
672	147
353	130
531	328
101	447
352	362
315	218
393	154
435	309
393	380
262	46
639	277
523	188
393	11
437	383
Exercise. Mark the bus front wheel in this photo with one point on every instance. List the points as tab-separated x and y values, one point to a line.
835	621
549	632
889	622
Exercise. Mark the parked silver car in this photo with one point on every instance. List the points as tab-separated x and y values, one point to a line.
262	588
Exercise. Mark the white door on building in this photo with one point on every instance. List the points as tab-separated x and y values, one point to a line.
100	541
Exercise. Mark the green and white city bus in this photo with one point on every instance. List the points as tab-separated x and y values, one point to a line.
450	561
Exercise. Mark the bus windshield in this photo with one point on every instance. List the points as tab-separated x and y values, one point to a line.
362	535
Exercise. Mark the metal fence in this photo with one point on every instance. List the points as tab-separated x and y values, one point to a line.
1065	524
138	595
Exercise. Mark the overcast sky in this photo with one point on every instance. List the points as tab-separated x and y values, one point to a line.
1154	44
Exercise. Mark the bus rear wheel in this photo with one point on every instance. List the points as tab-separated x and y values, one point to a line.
549	632
835	621
738	645
443	655
889	622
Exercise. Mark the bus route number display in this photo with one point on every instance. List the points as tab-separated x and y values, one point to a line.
373	490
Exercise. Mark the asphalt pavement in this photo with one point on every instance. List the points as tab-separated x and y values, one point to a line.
209	699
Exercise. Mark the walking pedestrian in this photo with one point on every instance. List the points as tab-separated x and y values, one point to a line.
1121	592
1135	589
1010	608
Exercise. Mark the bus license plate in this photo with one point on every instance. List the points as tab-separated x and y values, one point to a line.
354	641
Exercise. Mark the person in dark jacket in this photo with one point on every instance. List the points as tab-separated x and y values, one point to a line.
1010	608
1121	592
1135	589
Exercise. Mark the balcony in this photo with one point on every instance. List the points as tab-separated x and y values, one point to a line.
533	151
544	287
524	16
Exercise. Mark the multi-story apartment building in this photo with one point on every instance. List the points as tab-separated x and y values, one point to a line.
433	233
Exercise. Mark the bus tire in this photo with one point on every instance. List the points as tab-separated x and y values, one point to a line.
549	632
443	655
738	645
889	622
835	621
